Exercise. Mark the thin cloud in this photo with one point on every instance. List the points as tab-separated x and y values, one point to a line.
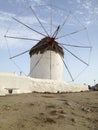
4	16
87	10
33	2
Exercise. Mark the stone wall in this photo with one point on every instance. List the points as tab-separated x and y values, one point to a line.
23	84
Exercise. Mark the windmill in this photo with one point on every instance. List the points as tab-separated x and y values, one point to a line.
48	56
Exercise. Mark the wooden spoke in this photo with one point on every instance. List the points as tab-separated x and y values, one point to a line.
51	20
22	38
56	32
64	22
39	20
76	45
26	51
28	26
75	56
71	33
67	69
19	54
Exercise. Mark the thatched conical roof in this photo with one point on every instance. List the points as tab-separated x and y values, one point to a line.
45	44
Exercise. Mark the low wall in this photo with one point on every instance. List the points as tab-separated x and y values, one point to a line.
21	84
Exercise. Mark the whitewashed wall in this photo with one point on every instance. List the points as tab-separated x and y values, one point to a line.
22	84
42	69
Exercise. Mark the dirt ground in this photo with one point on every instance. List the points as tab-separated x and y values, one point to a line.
37	111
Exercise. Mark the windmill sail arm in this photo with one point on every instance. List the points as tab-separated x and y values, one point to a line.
68	69
75	45
22	38
38	20
56	32
25	51
71	33
51	19
19	54
64	22
28	26
75	56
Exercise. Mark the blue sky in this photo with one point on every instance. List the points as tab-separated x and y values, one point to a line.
84	11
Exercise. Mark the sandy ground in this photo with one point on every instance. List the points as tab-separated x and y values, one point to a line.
66	111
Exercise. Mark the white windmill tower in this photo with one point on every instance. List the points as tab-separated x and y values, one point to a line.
46	60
